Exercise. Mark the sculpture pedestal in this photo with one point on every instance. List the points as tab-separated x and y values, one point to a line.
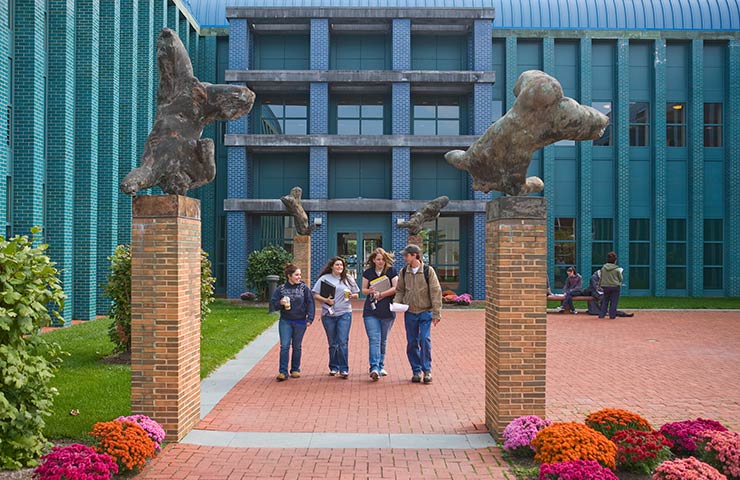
165	311
302	256
516	315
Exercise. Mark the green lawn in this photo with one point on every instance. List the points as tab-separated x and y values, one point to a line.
679	303
102	392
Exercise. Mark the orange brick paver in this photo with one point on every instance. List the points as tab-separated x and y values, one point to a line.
667	366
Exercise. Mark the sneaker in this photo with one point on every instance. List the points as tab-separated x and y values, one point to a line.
383	372
295	374
374	375
281	377
333	372
428	377
574	311
344	375
559	310
416	378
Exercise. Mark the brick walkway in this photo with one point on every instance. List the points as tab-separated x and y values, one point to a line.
667	366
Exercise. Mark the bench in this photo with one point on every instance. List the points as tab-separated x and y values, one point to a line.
580	298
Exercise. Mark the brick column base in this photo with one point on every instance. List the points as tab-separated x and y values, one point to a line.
302	256
165	311
516	320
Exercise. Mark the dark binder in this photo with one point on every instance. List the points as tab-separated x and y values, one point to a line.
327	290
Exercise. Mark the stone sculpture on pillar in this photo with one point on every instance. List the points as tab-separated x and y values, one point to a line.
540	116
175	157
428	212
302	241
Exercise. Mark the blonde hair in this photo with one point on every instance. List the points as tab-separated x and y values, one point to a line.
387	258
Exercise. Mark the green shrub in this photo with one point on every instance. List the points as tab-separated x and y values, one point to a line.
28	285
270	260
118	290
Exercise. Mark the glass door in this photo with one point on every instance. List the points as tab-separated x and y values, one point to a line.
347	248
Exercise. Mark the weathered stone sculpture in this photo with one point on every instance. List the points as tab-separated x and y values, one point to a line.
175	157
541	115
429	212
294	206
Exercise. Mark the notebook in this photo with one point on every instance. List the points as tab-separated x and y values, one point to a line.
327	290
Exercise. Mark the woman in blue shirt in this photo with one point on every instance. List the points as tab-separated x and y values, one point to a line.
377	311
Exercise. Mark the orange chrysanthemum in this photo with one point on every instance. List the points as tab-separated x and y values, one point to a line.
609	421
561	442
128	443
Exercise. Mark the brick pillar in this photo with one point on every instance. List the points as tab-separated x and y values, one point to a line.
302	256
516	321
165	311
416	240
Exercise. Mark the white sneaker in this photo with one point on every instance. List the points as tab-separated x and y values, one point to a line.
374	375
383	372
559	310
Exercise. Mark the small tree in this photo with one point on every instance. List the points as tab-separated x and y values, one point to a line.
118	290
270	260
28	284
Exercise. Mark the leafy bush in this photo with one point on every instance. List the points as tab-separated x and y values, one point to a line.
639	451
686	469
561	442
118	290
75	462
150	426
270	260
576	470
28	284
721	450
609	421
127	442
520	432
684	434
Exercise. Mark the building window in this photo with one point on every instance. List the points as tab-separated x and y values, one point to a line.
712	124
713	254
277	230
360	118
284	116
442	250
437	116
606	108
675	254
640	253
565	248
639	124
675	130
602	241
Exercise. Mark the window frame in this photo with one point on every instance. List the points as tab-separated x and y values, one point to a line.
673	242
634	242
360	102
560	267
284	102
720	126
635	127
714	266
431	243
439	101
676	126
601	106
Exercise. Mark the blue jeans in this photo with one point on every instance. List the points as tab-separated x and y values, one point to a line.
611	298
290	332
337	335
419	340
377	335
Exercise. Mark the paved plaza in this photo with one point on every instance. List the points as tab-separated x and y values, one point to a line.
665	365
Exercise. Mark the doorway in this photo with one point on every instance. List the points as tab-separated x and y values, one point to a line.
354	236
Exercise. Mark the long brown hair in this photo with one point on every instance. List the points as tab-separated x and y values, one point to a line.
387	258
343	275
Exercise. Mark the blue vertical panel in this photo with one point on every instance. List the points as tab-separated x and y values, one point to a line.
205	53
318	110
401	108
478	278
159	21
401	54
401	173
733	171
86	159
128	139
659	171
60	152
145	78
108	149
183	30
237	173
622	168
29	112
319	44
512	72
696	171
482	49
317	172
172	14
319	245
399	236
548	160
5	86
585	149
482	46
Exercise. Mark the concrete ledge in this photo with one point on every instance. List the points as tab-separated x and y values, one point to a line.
361	76
360	13
349	205
362	142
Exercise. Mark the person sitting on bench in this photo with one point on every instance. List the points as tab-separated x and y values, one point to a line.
572	288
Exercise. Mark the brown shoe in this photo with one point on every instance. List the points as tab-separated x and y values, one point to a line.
295	374
428	377
281	377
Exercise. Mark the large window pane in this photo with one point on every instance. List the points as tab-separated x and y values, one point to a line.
606	108
676	254
639	124
676	124
713	278
713	230
348	127
676	278
284	116
372	127
448	127
348	111
436	116
713	122
565	247
639	278
360	116
424	111
425	127
713	254
442	250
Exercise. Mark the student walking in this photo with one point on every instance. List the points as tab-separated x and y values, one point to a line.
377	310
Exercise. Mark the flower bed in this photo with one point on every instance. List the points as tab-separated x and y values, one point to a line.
639	451
576	470
609	421
75	462
520	432
687	469
684	434
561	442
721	449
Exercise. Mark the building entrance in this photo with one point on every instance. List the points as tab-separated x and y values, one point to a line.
354	236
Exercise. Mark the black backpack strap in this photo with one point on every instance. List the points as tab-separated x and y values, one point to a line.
426	273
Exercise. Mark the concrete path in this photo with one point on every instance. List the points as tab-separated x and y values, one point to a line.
667	366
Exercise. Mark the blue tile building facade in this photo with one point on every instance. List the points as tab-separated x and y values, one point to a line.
358	105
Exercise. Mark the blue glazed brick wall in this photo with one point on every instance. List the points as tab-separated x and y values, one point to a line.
319	44
482	46
477	278
401	109
318	122
402	43
548	159
659	186
60	150
317	173
319	245
482	107
145	79
108	149
733	172
401	174
622	223
695	280
399	238
236	253
29	99
585	151
4	100
86	159
127	114
206	61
